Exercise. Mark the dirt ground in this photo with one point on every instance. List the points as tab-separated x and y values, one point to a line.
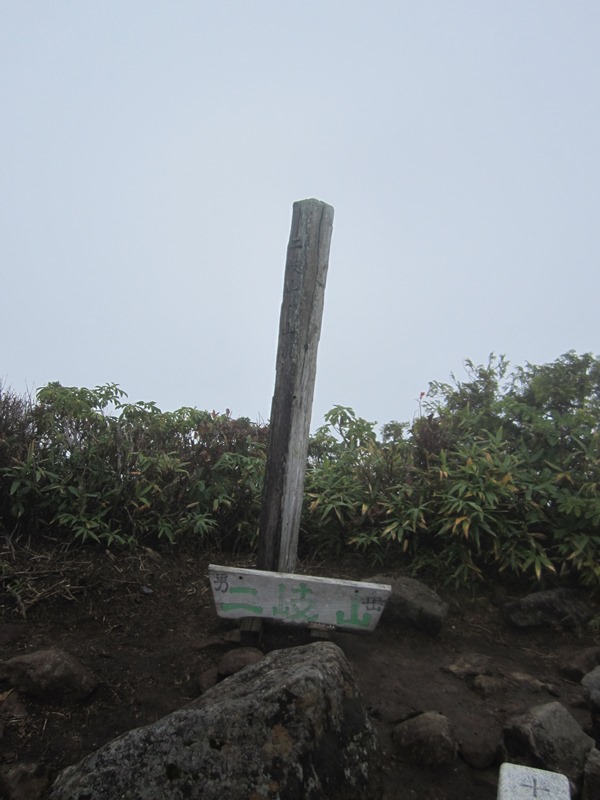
145	625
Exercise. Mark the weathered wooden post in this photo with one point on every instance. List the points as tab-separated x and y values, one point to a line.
272	591
299	332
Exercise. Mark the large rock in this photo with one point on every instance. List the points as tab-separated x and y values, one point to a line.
49	675
412	602
292	726
548	737
555	608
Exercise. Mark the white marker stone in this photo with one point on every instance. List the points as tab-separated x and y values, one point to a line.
526	783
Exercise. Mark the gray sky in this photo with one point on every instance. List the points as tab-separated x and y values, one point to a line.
150	153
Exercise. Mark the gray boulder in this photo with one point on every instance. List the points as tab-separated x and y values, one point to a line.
291	726
548	737
479	747
591	776
555	608
591	686
414	603
49	675
575	665
426	739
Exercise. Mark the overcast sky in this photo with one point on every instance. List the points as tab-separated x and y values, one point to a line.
150	153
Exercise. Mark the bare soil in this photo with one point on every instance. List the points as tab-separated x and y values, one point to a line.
145	624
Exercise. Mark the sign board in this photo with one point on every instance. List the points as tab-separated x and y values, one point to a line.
526	783
297	599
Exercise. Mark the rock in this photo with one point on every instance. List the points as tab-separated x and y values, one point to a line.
426	739
413	602
11	707
10	632
293	725
234	636
553	608
469	665
474	668
576	665
591	776
49	674
487	685
480	750
547	737
24	782
207	679
528	682
238	659
591	687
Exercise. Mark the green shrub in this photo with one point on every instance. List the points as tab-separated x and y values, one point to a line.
96	468
499	474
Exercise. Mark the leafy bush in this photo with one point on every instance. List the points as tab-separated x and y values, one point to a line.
499	474
16	427
96	468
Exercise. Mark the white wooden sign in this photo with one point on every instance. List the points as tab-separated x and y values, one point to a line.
297	599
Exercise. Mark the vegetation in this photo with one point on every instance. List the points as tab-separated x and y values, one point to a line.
497	474
87	466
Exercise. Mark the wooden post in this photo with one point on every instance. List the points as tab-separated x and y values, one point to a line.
299	332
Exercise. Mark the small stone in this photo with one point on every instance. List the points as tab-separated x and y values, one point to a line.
10	632
208	679
11	707
238	659
49	674
527	681
426	739
481	749
591	685
576	665
470	664
487	685
24	782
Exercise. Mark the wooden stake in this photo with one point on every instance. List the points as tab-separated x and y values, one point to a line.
299	332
